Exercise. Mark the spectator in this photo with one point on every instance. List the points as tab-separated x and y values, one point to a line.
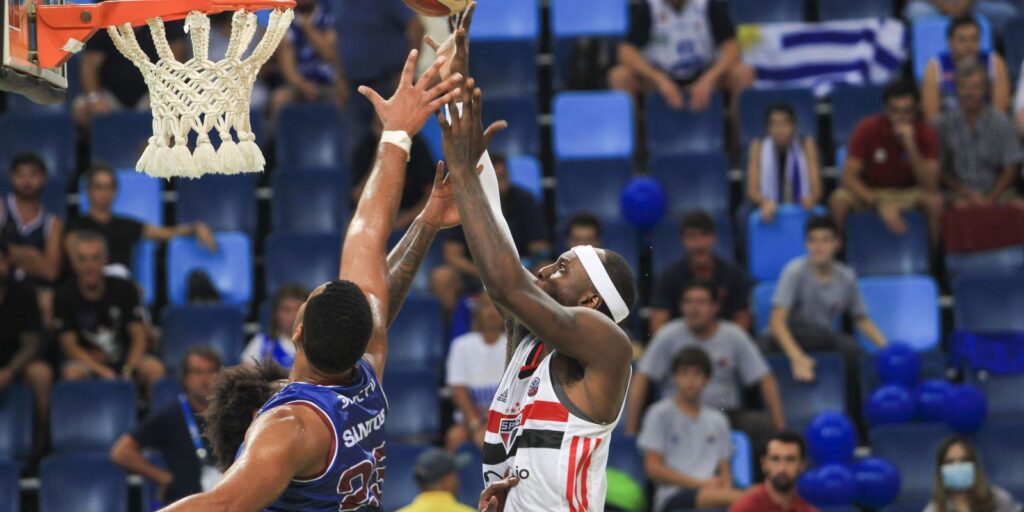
584	228
419	174
525	219
121	233
783	166
99	320
276	343
700	262
31	233
892	165
737	364
687	445
110	82
437	475
998	12
476	363
785	458
981	153
677	46
178	432
960	483
308	59
939	88
20	340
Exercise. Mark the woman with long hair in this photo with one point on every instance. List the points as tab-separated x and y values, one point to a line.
960	483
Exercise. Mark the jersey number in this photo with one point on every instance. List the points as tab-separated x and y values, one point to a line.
359	486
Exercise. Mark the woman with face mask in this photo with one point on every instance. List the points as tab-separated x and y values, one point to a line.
960	483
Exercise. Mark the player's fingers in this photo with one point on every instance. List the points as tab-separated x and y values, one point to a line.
493	130
432	71
410	68
442	120
480	169
467	16
431	43
447	85
447	99
371	95
439	175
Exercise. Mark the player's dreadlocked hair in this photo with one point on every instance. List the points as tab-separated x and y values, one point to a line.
238	393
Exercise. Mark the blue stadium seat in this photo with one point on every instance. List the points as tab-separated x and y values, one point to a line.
1008	260
415	408
119	138
144	269
989	303
755	102
1005	400
165	392
400	487
525	171
593	186
763	294
607	18
830	10
417	336
616	235
522	136
230	269
15	422
311	135
742	461
933	366
593	126
471	482
310	202
910	506
756	11
850	104
220	327
301	258
928	39
873	250
89	415
667	245
139	196
431	134
1001	446
696	181
224	203
891	301
51	135
911	448
773	245
672	131
1013	47
82	482
10	495
625	456
805	400
504	47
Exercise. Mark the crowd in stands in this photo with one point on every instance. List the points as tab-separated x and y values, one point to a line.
938	159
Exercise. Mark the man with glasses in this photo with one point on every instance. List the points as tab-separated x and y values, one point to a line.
784	460
892	165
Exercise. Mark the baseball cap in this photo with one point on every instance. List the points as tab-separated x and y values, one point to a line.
435	464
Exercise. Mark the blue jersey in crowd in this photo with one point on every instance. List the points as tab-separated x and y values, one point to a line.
353	479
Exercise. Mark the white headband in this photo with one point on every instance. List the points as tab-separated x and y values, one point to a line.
599	276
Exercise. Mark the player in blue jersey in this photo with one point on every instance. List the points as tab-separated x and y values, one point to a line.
318	444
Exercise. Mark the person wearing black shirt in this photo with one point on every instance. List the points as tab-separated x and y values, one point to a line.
190	466
701	263
526	222
121	233
99	320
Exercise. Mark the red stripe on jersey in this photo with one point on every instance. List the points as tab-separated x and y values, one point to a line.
540	410
570	493
585	471
584	457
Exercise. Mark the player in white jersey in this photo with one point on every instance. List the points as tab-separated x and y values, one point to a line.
569	367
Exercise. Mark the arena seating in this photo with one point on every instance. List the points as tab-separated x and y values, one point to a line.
230	269
1008	260
844	9
399	485
1000	445
471	480
82	482
315	201
224	203
805	400
10	495
1005	400
15	423
851	104
873	250
671	131
762	304
1013	47
310	135
521	137
525	171
892	300
414	404
911	448
89	415
504	48
301	258
757	11
742	461
185	327
417	336
118	139
989	303
49	134
776	243
624	456
694	181
165	392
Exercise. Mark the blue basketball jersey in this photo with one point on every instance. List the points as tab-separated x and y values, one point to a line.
353	479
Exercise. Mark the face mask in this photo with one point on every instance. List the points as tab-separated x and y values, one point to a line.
958	476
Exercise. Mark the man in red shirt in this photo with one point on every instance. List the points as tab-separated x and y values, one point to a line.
892	165
783	461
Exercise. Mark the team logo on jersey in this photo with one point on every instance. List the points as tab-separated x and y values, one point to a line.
534	387
503	397
507	429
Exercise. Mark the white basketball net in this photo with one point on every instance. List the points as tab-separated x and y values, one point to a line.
201	95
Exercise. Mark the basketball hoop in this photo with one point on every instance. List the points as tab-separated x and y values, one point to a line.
199	95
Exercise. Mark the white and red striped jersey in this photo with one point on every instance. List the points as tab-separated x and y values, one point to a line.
534	432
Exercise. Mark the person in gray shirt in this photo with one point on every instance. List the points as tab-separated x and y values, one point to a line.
736	362
687	445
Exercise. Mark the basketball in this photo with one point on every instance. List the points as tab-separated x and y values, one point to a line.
437	7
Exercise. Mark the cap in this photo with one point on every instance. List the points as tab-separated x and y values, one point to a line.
435	464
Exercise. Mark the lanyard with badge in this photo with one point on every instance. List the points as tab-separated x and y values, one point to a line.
210	475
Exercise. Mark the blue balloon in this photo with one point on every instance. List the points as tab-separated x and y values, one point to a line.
890	405
931	397
878	482
828	485
966	409
643	202
898	364
831	438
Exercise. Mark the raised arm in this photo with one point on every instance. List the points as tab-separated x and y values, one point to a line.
363	257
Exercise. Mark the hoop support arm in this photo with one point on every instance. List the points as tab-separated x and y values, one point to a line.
62	30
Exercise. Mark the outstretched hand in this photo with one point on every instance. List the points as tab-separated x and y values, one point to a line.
411	105
441	211
456	47
464	138
494	496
